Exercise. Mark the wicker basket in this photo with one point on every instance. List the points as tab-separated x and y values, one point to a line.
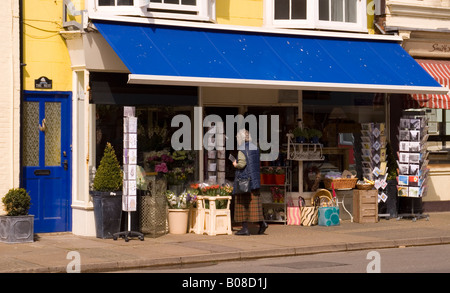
341	183
322	196
364	186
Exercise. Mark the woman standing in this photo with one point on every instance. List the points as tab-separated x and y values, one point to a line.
248	206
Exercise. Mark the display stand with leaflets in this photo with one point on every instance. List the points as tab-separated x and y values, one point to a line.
216	154
129	195
373	158
413	161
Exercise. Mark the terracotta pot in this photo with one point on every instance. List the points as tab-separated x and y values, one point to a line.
269	179
279	179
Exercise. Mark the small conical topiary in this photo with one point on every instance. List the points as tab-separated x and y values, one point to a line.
17	202
109	176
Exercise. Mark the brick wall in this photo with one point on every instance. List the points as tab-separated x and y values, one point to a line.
9	96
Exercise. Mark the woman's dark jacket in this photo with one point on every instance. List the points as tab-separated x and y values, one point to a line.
251	170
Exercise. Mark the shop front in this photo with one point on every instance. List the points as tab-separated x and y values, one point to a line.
432	51
333	83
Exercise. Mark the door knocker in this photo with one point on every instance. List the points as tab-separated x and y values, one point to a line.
42	127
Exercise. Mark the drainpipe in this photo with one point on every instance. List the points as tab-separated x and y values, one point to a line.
21	87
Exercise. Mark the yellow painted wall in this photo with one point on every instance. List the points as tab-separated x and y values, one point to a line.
240	12
45	52
250	13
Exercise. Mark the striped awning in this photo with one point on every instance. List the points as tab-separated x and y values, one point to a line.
440	71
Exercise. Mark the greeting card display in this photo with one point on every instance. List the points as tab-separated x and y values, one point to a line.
129	160
373	156
129	189
412	156
216	154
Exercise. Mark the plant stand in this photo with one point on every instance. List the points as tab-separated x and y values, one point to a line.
216	221
197	218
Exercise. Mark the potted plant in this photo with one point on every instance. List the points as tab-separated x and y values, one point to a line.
314	135
300	134
280	176
179	210
107	194
17	226
270	176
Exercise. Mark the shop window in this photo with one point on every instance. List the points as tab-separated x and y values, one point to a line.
173	9
345	15
338	116
439	134
154	140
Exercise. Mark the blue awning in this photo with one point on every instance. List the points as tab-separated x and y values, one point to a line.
194	56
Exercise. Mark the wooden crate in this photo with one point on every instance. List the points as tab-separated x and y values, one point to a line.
365	206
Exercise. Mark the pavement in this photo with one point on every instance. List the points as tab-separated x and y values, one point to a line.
58	252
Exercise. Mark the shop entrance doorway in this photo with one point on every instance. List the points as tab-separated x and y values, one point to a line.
47	158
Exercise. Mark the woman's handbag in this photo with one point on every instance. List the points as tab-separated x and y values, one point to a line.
243	185
293	213
309	216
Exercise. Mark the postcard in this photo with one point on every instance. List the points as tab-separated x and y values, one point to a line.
414	158
414	124
404	123
402	191
382	197
414	146
404	169
404	135
403	180
413	180
403	157
414	135
414	169
414	192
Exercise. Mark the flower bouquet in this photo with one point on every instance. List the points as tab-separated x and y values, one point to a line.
277	195
182	201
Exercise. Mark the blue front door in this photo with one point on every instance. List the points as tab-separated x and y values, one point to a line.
46	158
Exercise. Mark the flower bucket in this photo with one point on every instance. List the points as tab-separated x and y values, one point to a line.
178	221
279	179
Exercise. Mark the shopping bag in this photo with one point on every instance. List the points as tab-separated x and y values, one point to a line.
309	216
293	216
328	216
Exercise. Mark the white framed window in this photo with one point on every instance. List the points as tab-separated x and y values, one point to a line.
173	9
342	15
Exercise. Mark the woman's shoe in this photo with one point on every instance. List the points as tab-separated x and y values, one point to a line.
262	228
243	232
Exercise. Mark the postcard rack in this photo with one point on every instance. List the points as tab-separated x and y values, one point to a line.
413	160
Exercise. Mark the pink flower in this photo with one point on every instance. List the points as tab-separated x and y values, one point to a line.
161	168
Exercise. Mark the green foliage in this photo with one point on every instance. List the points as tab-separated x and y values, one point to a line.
300	132
17	202
391	163
109	176
315	133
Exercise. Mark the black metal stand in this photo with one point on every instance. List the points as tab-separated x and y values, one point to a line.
128	234
413	215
